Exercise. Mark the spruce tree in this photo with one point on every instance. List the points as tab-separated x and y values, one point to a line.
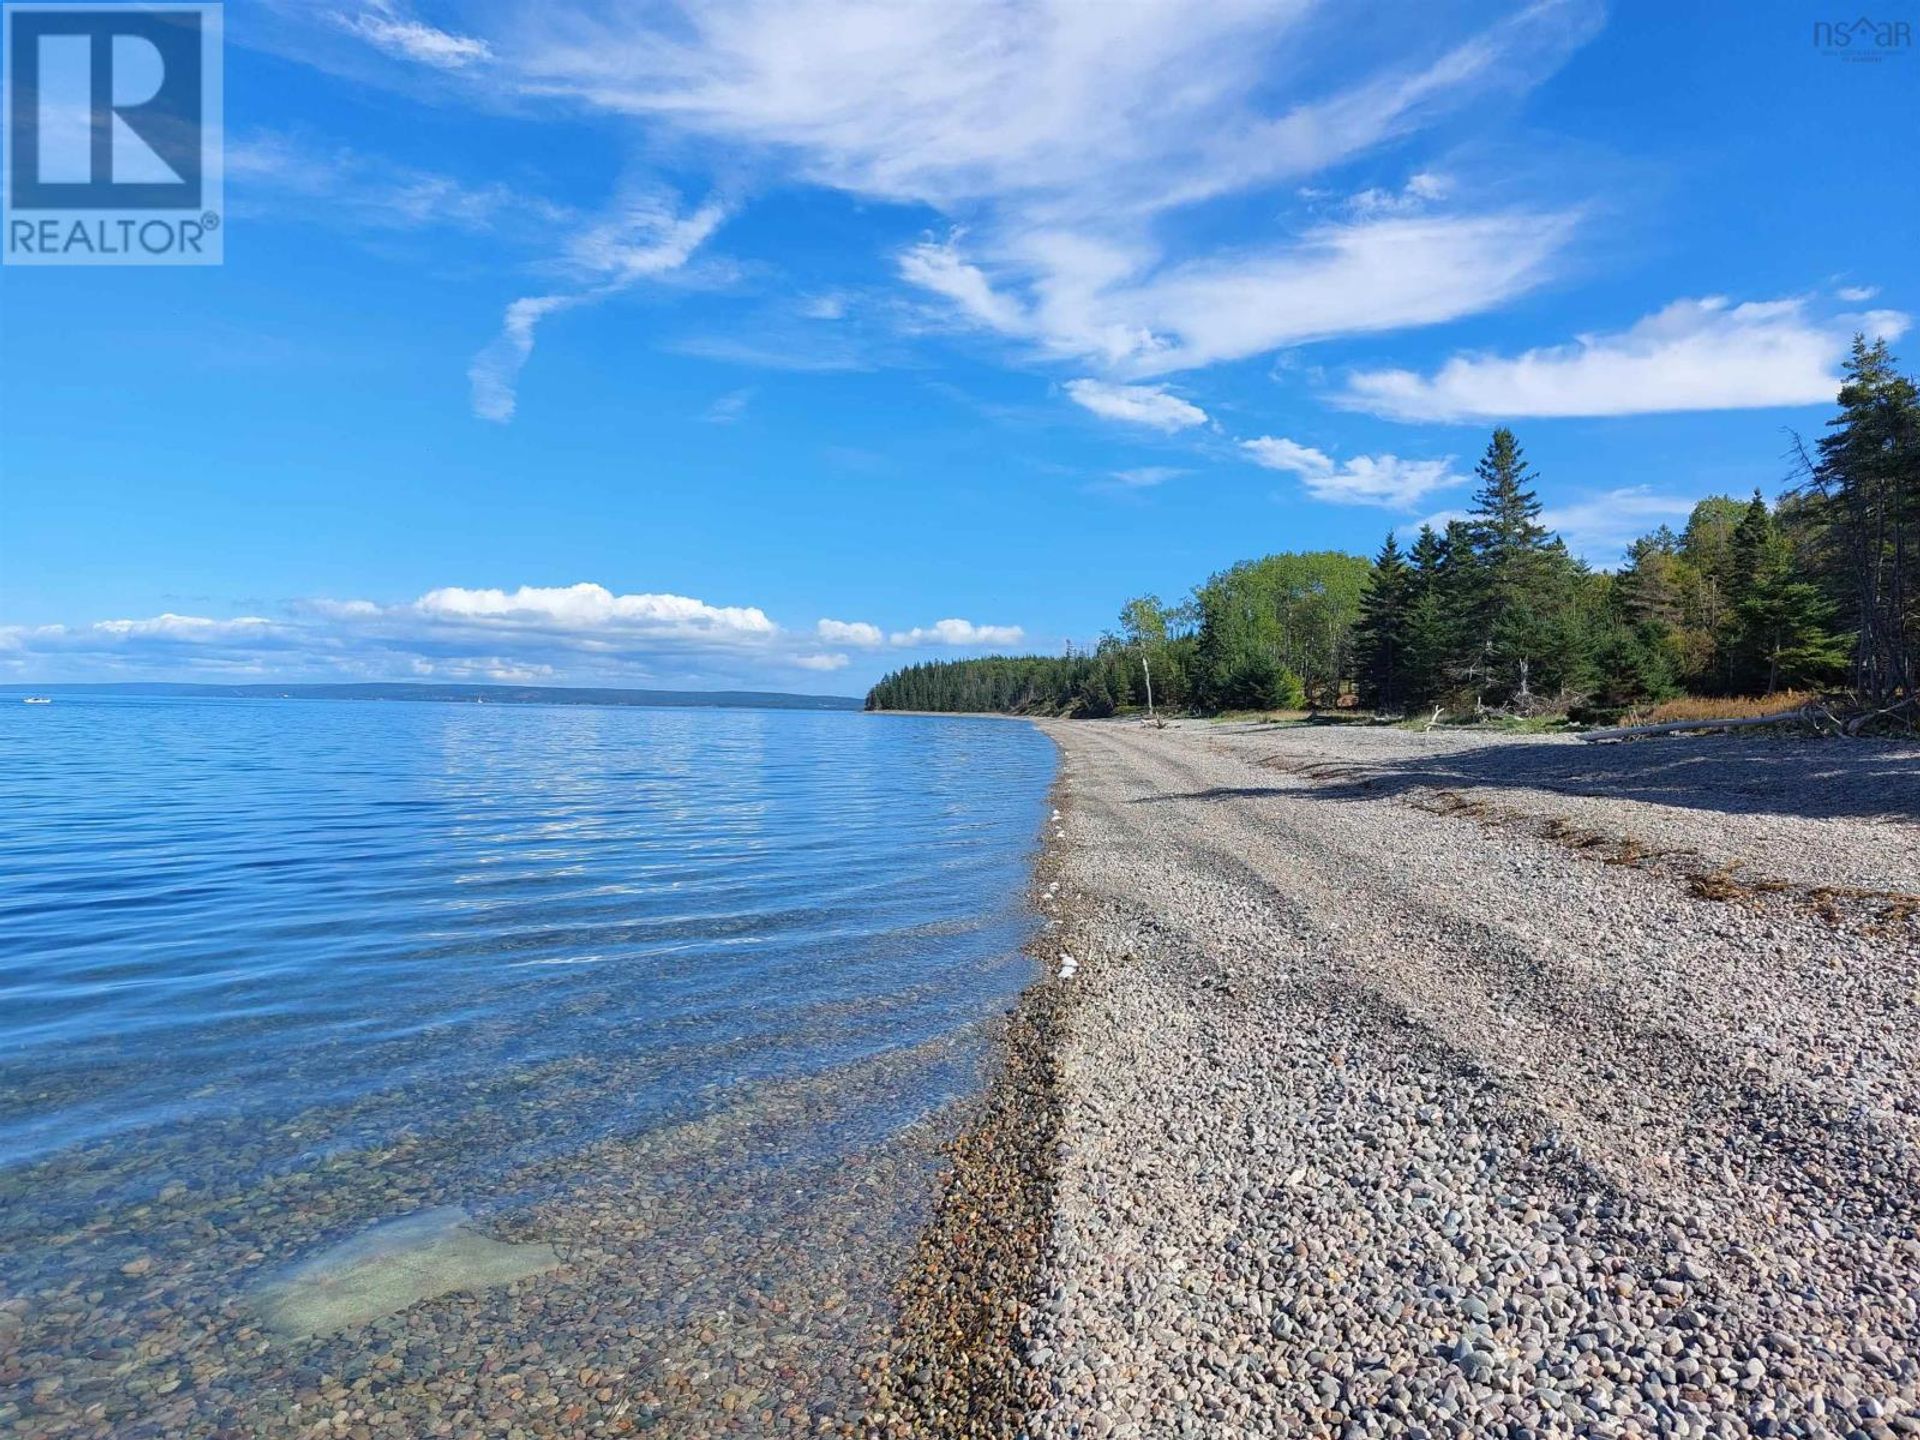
1867	482
1381	635
1526	636
1428	642
1506	511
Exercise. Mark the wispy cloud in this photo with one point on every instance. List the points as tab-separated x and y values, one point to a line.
1067	136
383	25
1150	405
648	237
754	355
1146	476
728	408
1421	190
1015	104
338	184
1142	316
1705	354
1384	480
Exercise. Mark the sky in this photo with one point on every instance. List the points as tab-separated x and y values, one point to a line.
778	345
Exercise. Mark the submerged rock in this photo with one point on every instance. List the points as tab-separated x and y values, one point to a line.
395	1264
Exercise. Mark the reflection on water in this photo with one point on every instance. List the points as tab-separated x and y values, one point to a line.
680	998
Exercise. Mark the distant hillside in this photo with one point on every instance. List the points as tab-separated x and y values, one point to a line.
468	694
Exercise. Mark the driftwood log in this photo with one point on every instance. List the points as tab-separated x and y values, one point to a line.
1630	732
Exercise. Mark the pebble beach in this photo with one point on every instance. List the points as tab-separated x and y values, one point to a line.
1446	1085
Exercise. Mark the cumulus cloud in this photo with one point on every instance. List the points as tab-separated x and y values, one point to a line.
1857	294
850	632
960	633
584	633
646	238
587	607
1706	354
192	629
1384	480
1149	405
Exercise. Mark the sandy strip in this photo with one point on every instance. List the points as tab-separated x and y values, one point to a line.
1397	1096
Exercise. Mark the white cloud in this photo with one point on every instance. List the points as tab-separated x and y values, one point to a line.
496	369
1066	109
959	633
1384	480
1420	190
937	266
821	662
850	632
1145	476
1066	135
1693	355
1857	294
1149	405
1141	317
194	629
647	237
586	607
415	40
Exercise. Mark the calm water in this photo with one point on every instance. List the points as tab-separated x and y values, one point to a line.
678	1000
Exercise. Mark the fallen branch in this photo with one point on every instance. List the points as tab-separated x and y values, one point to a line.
1630	732
1858	723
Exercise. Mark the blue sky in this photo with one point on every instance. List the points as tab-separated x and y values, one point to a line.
779	345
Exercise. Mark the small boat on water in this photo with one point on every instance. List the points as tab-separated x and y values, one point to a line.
39	700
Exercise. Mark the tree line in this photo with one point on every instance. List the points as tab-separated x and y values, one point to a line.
1493	614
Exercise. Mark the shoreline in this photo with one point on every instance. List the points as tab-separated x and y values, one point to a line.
1418	1085
957	1365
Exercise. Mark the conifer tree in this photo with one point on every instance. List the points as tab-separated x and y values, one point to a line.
1867	482
1380	638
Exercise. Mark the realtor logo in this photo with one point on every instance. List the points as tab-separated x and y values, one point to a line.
113	135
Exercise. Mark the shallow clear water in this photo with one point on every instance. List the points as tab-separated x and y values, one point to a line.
683	994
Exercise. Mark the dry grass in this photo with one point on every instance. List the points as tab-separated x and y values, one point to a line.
1720	707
